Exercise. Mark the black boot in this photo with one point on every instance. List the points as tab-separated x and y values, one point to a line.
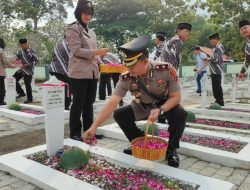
76	137
172	158
128	151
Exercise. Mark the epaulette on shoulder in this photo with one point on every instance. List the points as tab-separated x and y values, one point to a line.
169	67
161	67
125	76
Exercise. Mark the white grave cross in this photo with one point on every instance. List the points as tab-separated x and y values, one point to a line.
53	102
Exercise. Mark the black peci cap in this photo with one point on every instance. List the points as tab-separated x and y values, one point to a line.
23	40
184	25
161	34
133	50
214	36
243	23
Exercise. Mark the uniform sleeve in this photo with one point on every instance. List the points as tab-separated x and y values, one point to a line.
247	59
121	88
173	85
5	60
73	37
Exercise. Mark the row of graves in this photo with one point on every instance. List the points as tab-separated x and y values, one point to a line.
71	165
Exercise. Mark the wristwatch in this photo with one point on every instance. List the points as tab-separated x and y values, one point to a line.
161	111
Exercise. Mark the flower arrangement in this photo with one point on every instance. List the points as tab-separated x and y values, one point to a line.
91	141
211	142
17	107
107	174
112	68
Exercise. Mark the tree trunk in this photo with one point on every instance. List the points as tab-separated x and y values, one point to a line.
35	24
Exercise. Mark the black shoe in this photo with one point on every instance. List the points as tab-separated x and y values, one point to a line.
172	157
128	151
121	103
2	103
77	138
20	95
27	101
98	136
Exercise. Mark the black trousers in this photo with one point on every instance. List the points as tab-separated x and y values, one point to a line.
217	89
27	82
84	94
104	83
65	79
2	88
176	117
115	78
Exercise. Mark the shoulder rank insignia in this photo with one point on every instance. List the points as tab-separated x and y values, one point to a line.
169	67
125	76
161	67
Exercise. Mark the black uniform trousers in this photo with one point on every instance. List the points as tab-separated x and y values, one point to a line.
217	89
64	79
176	118
104	83
84	94
27	82
2	88
115	78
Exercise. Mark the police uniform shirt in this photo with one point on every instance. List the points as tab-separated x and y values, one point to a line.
172	52
216	60
160	81
247	57
158	51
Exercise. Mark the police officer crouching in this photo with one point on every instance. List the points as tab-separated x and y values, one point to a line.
156	90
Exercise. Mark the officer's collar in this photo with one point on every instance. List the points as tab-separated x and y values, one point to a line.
150	70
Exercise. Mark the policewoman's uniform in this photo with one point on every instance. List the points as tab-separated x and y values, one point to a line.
150	92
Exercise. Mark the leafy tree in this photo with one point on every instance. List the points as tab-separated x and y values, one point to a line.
34	10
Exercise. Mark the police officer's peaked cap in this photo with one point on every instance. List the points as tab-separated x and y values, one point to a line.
23	40
243	23
133	50
161	34
214	36
184	25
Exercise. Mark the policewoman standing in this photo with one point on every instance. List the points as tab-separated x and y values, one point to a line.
155	87
83	68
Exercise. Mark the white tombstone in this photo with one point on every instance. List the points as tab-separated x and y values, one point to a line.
204	92
10	87
248	85
222	78
233	92
53	102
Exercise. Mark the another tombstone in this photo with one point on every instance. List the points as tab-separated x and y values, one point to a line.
10	86
53	102
248	85
234	85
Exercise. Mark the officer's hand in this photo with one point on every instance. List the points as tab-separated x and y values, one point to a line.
102	51
90	133
154	114
241	76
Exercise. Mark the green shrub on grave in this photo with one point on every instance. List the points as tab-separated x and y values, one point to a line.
190	116
243	101
15	107
214	106
156	129
74	158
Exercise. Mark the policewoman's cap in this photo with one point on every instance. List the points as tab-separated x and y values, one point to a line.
133	50
184	25
214	36
243	23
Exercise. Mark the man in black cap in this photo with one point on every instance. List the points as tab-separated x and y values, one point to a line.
28	58
244	26
172	50
216	67
156	91
159	41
